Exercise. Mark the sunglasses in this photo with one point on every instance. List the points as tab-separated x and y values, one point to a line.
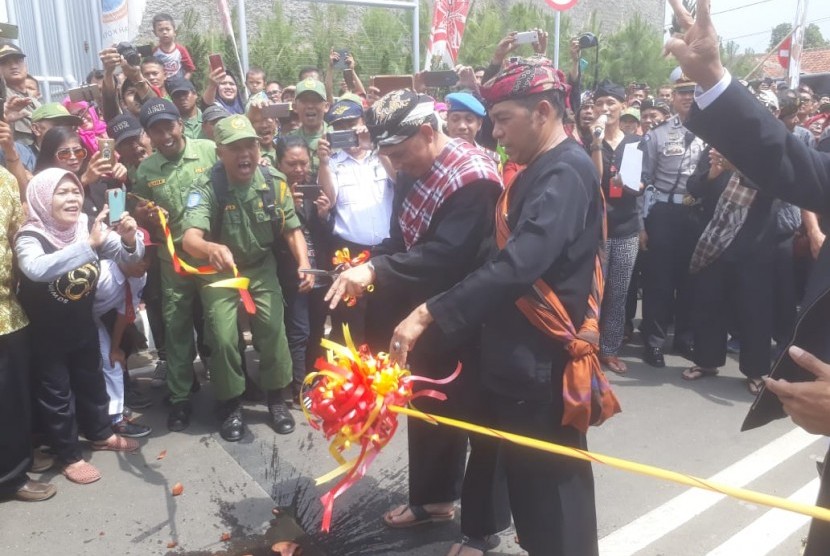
67	154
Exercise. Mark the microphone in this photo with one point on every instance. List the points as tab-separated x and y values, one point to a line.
599	128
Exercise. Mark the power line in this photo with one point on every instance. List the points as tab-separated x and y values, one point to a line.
741	7
770	30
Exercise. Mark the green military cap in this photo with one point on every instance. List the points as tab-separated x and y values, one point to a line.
233	128
311	85
56	111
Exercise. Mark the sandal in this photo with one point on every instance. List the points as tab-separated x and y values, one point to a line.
754	385
614	364
422	516
81	474
483	545
694	373
116	443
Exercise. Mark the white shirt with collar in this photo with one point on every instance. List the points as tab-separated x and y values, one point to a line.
363	198
110	292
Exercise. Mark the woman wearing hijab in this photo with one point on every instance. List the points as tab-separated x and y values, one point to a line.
64	148
223	90
92	128
58	256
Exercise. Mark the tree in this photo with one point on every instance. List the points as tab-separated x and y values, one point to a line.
738	63
634	53
812	35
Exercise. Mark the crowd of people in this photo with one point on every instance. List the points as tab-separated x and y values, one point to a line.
499	230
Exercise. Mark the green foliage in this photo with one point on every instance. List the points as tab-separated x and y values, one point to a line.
812	35
634	53
201	45
738	63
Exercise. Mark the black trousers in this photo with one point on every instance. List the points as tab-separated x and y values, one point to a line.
15	412
673	231
739	294
551	496
438	467
71	394
786	300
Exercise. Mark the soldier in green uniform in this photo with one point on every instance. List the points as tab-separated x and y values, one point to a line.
310	103
165	178
233	216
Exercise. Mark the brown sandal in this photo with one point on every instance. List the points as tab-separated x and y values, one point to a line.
694	373
116	443
421	516
614	364
81	474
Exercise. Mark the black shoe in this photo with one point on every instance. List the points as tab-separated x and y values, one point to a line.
233	428
179	417
281	417
131	430
686	350
654	357
134	399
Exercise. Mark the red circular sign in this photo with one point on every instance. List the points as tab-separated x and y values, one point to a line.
561	5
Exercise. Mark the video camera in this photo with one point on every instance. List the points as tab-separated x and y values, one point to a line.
132	54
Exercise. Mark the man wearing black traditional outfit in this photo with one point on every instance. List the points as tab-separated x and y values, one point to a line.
536	304
443	208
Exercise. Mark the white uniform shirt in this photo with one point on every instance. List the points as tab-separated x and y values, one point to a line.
110	293
363	206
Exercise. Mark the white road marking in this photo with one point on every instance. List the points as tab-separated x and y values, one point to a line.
664	519
771	529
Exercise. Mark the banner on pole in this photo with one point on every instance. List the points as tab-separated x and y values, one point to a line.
448	24
120	20
797	44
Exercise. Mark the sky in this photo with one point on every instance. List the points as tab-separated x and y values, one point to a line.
749	22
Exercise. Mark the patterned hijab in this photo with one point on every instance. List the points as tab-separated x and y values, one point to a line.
39	196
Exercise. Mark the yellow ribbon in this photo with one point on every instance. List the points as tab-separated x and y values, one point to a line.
625	465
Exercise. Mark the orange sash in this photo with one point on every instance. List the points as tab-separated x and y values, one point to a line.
587	395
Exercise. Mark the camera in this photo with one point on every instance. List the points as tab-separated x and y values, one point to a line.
587	40
134	55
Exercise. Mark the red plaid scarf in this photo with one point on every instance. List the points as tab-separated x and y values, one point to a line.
458	164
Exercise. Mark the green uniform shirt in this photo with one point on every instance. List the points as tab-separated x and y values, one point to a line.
246	226
168	183
271	155
193	126
312	143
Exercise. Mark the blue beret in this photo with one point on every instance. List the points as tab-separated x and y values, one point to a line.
343	110
465	102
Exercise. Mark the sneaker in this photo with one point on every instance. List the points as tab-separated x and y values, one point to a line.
131	430
135	399
159	377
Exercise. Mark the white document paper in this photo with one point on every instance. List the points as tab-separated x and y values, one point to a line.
631	168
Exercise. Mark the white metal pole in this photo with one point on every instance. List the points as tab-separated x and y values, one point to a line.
416	39
797	45
556	39
243	37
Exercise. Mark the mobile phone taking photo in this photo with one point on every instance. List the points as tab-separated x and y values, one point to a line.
116	201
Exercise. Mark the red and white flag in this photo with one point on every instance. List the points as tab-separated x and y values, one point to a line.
784	52
448	24
225	16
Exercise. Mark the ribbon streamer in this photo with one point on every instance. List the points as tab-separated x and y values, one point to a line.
350	396
625	465
343	257
238	282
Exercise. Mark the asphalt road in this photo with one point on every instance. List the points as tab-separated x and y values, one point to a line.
692	427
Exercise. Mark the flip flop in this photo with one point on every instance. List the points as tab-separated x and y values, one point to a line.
483	545
422	516
613	364
694	373
82	474
120	444
754	385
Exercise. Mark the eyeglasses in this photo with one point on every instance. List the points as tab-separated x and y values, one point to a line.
67	154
